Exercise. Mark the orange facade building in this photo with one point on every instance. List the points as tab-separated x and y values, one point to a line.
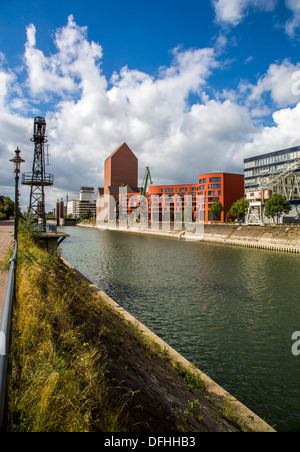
167	202
224	187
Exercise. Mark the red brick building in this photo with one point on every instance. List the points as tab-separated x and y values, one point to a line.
120	169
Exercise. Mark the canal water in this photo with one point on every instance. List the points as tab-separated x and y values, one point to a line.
230	310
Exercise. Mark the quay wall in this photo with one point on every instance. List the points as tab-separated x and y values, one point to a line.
281	238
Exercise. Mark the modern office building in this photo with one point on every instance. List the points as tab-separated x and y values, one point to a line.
167	202
275	172
223	187
85	201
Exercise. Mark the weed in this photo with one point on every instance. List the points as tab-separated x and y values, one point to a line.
191	376
194	409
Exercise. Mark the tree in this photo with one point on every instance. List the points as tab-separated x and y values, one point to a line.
216	209
239	209
9	207
276	206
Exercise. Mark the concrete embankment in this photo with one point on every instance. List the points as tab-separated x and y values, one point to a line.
277	238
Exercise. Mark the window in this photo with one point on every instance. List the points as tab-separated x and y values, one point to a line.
202	187
214	179
193	189
215	186
182	189
202	181
169	189
211	193
213	199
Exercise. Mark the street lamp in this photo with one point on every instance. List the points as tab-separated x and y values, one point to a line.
17	168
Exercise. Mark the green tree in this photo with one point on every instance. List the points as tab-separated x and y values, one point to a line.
9	207
239	209
216	209
86	215
276	206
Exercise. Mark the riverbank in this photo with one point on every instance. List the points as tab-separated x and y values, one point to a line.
284	238
83	363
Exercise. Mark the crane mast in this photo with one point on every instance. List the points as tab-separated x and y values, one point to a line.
38	179
147	178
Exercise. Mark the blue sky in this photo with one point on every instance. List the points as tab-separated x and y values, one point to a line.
192	86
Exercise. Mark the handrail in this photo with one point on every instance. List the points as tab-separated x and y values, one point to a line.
5	340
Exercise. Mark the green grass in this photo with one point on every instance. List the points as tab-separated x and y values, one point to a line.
58	378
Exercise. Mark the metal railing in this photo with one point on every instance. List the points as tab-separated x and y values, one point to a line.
37	180
5	341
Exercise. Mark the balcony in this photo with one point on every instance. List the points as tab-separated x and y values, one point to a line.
35	179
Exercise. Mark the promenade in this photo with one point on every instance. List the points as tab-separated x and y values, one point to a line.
6	238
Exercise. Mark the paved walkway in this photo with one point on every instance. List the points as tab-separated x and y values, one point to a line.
6	238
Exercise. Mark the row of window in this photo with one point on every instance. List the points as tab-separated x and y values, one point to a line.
211	179
274	159
201	182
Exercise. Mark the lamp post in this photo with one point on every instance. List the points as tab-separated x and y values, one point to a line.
17	168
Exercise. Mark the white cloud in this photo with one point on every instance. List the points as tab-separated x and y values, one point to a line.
92	115
280	83
293	23
233	11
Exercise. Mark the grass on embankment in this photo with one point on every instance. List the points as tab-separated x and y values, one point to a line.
58	381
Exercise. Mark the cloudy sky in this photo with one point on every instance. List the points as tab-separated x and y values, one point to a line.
192	86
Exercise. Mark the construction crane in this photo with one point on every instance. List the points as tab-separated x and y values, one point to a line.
143	191
257	198
147	177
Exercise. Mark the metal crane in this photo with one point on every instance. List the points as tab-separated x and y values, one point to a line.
38	179
147	177
258	198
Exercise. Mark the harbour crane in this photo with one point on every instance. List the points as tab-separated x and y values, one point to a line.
143	191
147	177
258	198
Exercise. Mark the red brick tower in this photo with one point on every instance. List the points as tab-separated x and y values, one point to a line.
120	169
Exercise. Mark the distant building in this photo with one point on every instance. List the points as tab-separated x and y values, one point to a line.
265	171
86	201
120	170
